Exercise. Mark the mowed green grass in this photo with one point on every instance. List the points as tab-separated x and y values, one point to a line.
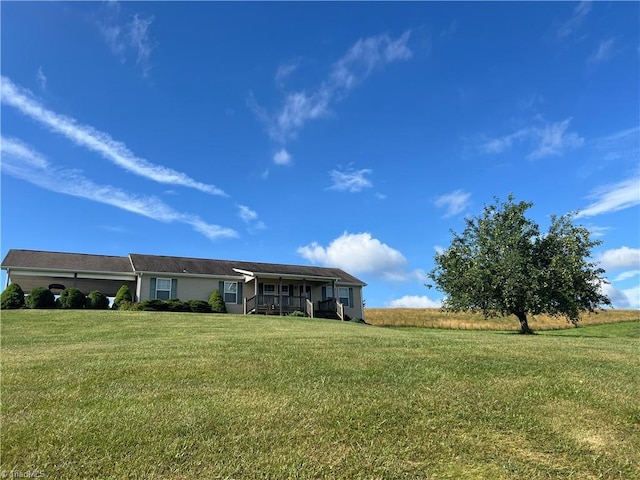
160	395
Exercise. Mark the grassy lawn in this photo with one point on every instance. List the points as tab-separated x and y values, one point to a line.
148	395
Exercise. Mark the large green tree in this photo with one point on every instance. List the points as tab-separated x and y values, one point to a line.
502	265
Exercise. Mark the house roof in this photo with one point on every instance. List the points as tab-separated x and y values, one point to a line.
203	266
73	262
80	262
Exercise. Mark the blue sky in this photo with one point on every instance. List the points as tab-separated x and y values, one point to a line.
354	135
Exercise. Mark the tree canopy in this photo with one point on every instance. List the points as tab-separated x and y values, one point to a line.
502	265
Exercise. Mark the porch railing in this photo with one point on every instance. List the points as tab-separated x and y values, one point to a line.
278	304
332	305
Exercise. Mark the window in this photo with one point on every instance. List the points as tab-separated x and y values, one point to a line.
269	289
285	290
231	292
163	288
343	294
329	291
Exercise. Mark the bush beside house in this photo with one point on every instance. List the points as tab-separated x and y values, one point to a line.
40	298
72	298
217	303
97	301
123	295
12	297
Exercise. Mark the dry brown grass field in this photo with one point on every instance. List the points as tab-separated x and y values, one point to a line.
436	318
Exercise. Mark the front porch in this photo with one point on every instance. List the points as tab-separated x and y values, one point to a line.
262	304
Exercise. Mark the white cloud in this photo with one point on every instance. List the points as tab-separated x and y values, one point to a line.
360	61
246	214
140	41
633	296
284	72
126	38
23	162
414	301
454	203
578	16
250	217
618	258
367	55
97	141
624	144
545	140
15	148
282	157
357	253
614	197
350	180
42	78
553	139
618	298
626	275
603	52
626	298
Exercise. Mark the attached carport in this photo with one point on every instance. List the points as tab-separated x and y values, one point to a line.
31	269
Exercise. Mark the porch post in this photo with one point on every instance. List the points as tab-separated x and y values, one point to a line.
280	294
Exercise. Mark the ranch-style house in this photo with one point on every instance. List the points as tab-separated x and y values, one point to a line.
246	287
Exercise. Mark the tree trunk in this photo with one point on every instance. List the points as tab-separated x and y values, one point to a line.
524	325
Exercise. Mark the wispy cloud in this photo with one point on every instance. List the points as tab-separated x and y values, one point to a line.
453	203
42	79
127	37
603	53
350	180
21	161
626	275
284	71
573	23
96	141
250	218
614	197
141	41
544	140
282	157
624	144
361	60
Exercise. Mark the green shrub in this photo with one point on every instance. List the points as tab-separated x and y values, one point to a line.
12	297
127	306
97	301
177	305
41	297
72	298
153	305
217	303
123	295
199	306
297	313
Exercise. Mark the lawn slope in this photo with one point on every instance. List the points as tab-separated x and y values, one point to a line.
148	395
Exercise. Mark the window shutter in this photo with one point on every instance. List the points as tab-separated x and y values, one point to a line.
351	296
324	293
174	288
221	288
260	288
152	289
290	290
239	297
